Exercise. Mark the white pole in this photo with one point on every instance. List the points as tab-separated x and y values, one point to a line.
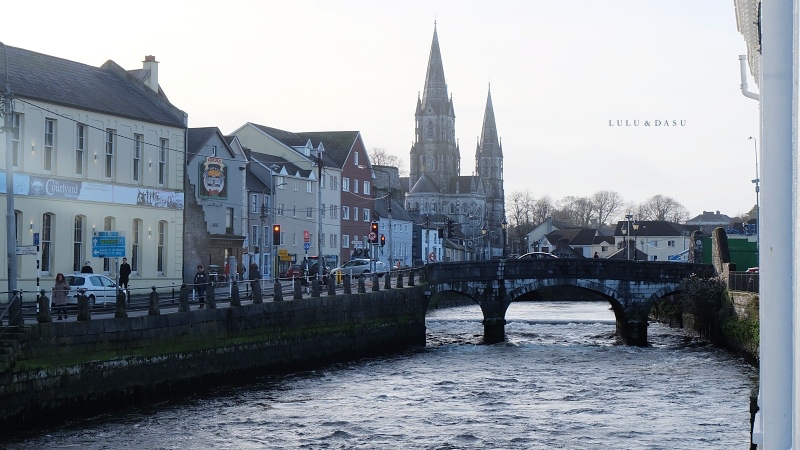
778	283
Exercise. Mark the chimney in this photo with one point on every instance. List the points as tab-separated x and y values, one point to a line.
151	65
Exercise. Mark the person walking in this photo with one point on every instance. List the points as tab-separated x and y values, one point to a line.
200	282
60	291
253	275
124	273
87	268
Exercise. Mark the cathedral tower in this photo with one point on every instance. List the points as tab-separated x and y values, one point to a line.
489	165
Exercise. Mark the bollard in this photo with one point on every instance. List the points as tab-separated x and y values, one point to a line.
15	309
211	297
376	284
43	315
277	291
331	286
84	313
388	281
153	307
235	300
183	300
128	296
315	287
298	289
257	298
121	310
348	288
411	277
361	288
399	280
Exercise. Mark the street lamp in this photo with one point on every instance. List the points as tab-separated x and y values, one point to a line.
635	236
627	231
274	168
756	181
483	239
390	244
504	226
11	223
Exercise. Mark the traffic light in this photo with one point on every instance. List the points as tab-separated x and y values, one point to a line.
373	233
451	227
383	240
276	234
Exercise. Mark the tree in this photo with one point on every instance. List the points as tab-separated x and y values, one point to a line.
606	204
659	207
542	209
574	210
519	211
380	157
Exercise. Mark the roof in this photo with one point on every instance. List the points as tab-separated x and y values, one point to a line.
651	228
108	89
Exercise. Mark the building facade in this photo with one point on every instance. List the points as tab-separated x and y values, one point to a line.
98	158
435	184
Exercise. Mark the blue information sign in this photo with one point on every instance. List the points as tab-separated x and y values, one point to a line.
306	246
108	244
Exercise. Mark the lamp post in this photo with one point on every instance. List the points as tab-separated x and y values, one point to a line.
11	225
627	231
504	226
320	266
635	236
756	181
483	241
274	168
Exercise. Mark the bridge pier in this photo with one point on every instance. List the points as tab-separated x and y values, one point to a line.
494	330
633	331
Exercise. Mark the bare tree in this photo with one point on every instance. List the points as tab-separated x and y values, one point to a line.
519	210
543	208
659	207
380	157
606	204
574	210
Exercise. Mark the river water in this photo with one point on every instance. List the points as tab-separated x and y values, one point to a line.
561	380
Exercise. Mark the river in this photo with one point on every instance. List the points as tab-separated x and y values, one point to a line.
561	380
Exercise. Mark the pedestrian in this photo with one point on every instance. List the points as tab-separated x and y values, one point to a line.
200	282
87	268
596	255
253	274
124	273
60	291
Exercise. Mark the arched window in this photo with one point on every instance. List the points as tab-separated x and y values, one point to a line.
78	239
160	246
46	246
136	245
429	131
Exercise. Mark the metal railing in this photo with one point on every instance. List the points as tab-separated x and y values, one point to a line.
743	281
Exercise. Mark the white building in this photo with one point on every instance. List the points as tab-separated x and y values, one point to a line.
94	149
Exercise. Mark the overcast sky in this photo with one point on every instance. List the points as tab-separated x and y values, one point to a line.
560	71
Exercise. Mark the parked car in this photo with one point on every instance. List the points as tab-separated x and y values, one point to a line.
99	288
359	267
537	255
294	271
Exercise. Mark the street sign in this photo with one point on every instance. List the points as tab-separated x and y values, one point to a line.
27	249
35	238
306	237
108	244
306	246
372	236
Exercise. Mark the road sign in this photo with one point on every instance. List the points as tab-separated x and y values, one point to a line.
35	238
108	244
306	246
306	237
372	236
27	249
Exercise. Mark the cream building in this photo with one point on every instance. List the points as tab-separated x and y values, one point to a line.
98	165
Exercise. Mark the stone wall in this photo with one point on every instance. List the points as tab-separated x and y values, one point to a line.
99	363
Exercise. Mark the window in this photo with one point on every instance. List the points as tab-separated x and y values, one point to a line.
355	186
49	144
253	203
138	142
254	236
309	187
46	242
77	243
603	248
294	184
280	209
367	213
355	213
322	182
345	241
334	208
160	246
213	150
229	220
111	144
294	210
670	243
345	184
345	213
333	239
334	183
162	161
309	213
80	148
136	244
280	182
355	158
322	211
429	131
16	128
366	188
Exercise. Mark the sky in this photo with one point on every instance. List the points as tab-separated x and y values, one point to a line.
562	75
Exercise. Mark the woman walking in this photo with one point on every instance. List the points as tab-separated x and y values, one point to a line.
60	291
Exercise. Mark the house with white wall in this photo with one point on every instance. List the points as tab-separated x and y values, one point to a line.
96	152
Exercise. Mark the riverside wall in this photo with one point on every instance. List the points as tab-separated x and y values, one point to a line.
65	367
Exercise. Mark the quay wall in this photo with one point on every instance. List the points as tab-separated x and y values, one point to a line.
67	367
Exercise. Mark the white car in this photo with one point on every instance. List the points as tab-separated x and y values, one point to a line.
99	288
359	267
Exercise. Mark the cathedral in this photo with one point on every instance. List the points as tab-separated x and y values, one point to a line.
436	190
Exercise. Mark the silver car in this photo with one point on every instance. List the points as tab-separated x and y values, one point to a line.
99	288
359	267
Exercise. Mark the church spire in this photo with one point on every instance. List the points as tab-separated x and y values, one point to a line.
435	85
490	142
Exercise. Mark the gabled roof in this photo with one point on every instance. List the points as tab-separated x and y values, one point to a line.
651	228
197	138
709	218
108	89
574	236
338	144
423	185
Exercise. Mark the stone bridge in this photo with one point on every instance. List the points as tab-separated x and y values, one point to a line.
631	287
